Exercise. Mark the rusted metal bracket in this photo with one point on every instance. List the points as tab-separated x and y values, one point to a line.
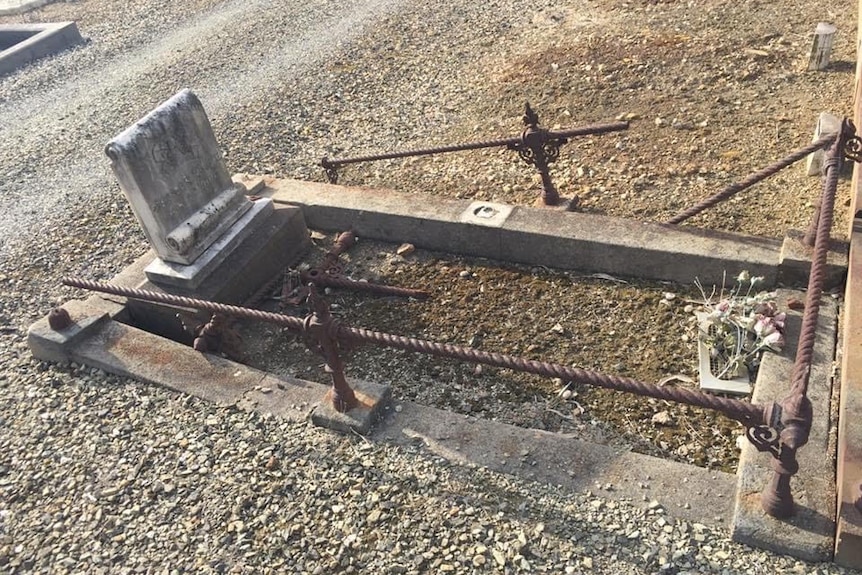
330	274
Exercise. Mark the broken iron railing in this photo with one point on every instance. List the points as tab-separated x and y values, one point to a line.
330	273
779	428
734	188
537	146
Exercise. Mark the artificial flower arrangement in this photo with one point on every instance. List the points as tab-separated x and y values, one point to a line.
740	325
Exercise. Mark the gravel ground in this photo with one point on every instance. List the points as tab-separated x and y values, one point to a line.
100	474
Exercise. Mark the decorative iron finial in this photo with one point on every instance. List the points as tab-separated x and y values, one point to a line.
531	118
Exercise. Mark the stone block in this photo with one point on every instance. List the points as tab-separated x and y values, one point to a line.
795	262
373	398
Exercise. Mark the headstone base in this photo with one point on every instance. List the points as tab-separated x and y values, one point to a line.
191	276
274	245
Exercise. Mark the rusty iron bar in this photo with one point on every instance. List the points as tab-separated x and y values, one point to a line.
590	129
743	412
749	415
338	281
752	179
343	242
830	182
290	322
536	146
792	416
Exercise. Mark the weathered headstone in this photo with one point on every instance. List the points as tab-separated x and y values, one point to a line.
172	172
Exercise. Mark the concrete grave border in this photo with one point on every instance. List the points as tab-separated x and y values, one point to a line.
44	40
535	236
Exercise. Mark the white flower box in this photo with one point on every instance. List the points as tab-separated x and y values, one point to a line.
736	383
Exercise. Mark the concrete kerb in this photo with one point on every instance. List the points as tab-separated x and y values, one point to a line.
539	236
40	40
680	490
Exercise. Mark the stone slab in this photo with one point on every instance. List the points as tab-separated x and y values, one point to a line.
373	399
49	345
809	533
39	40
795	261
848	536
684	491
171	170
534	236
191	276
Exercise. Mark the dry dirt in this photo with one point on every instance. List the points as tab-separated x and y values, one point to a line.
714	90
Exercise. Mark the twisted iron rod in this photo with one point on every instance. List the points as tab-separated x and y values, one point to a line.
752	179
330	163
792	417
292	323
817	277
743	412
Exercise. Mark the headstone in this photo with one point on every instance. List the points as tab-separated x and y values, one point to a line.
172	172
821	47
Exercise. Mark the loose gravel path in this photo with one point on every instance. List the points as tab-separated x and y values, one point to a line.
100	474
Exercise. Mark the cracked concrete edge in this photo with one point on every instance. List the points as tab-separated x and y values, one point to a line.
809	534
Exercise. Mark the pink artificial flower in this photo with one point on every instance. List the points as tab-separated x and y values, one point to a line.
765	326
778	320
774	341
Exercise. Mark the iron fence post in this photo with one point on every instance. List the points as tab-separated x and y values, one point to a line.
831	170
322	330
540	149
792	417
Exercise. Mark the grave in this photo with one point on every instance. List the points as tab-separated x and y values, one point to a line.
22	44
171	170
